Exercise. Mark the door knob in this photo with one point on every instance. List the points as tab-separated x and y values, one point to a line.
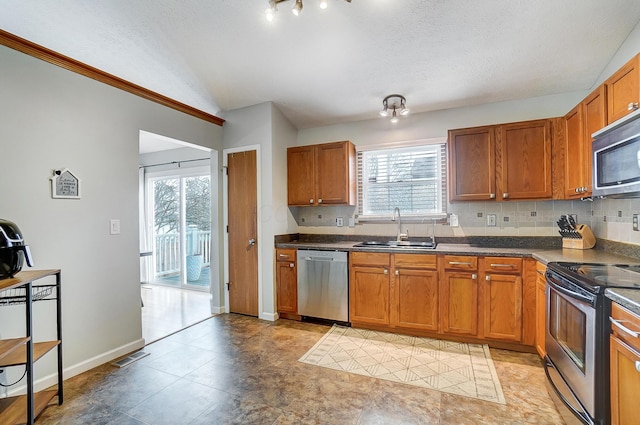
252	241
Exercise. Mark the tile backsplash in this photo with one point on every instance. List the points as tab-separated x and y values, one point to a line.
609	219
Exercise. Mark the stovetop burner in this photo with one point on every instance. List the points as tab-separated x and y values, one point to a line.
597	277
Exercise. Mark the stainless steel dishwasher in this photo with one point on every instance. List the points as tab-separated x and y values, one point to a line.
323	285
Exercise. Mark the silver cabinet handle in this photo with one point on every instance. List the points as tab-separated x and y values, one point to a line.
487	277
474	276
283	256
632	106
311	201
502	265
252	242
505	195
492	196
618	324
319	201
386	271
638	365
292	265
540	272
397	272
460	263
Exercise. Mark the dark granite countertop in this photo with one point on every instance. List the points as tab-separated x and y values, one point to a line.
629	298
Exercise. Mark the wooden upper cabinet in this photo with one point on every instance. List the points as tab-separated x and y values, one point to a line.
472	164
301	180
576	155
322	174
523	160
623	90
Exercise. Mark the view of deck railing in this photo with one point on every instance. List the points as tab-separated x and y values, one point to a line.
167	251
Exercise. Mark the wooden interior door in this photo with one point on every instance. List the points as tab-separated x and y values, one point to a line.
243	233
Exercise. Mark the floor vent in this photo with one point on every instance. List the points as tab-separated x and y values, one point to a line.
130	359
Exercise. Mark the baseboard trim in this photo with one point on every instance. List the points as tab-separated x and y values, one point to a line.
272	317
217	310
71	371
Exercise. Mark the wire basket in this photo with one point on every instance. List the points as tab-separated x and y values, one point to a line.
17	296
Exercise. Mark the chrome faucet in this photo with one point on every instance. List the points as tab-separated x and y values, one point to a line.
400	236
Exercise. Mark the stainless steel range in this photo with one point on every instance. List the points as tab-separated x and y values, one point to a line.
577	335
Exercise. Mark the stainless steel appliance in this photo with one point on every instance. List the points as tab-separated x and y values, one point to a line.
616	158
577	334
323	285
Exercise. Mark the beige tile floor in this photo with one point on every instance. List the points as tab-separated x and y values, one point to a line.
233	369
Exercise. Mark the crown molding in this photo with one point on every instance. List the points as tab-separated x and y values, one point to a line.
25	46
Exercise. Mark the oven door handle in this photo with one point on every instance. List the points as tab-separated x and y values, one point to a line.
570	293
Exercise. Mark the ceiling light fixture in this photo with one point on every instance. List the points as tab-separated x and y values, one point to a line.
297	7
393	103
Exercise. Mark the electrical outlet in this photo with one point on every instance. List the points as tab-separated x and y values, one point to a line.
635	222
339	222
453	220
352	222
491	220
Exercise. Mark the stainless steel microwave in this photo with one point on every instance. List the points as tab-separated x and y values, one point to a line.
616	158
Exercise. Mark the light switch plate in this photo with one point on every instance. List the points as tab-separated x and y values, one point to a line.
635	222
352	222
491	220
114	226
453	220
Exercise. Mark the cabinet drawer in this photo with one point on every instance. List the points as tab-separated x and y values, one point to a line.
286	255
370	259
460	262
414	261
627	320
503	265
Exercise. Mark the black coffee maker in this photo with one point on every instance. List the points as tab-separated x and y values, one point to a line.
13	251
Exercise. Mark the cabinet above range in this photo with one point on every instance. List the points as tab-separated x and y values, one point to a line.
323	174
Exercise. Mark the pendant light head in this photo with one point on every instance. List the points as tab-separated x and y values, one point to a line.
324	4
271	10
297	8
395	102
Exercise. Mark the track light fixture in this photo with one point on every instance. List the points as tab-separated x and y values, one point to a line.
297	7
394	103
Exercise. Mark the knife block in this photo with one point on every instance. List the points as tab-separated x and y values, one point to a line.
580	238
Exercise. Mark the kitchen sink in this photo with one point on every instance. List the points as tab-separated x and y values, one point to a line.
397	245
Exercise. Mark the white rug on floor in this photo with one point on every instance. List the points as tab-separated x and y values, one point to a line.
452	367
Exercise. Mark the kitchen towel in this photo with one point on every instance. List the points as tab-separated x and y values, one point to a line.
452	367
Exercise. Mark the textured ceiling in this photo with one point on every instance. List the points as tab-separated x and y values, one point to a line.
335	65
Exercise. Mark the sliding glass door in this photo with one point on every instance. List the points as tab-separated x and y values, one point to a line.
180	210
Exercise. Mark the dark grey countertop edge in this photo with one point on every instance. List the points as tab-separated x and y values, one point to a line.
628	298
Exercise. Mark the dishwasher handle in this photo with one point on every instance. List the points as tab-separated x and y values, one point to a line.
327	259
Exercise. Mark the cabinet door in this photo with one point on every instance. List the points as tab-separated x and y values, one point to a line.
576	155
502	305
541	309
459	303
625	383
623	91
301	175
369	295
415	299
523	160
472	164
287	286
336	173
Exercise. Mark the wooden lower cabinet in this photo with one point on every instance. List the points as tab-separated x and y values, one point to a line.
286	281
414	302
369	295
625	367
459	303
502	306
541	309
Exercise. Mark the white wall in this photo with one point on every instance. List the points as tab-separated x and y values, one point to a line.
53	118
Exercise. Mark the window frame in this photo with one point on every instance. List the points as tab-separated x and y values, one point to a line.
406	217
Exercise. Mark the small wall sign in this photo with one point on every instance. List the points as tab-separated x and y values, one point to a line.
64	184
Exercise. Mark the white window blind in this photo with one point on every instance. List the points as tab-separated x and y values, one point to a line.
412	178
